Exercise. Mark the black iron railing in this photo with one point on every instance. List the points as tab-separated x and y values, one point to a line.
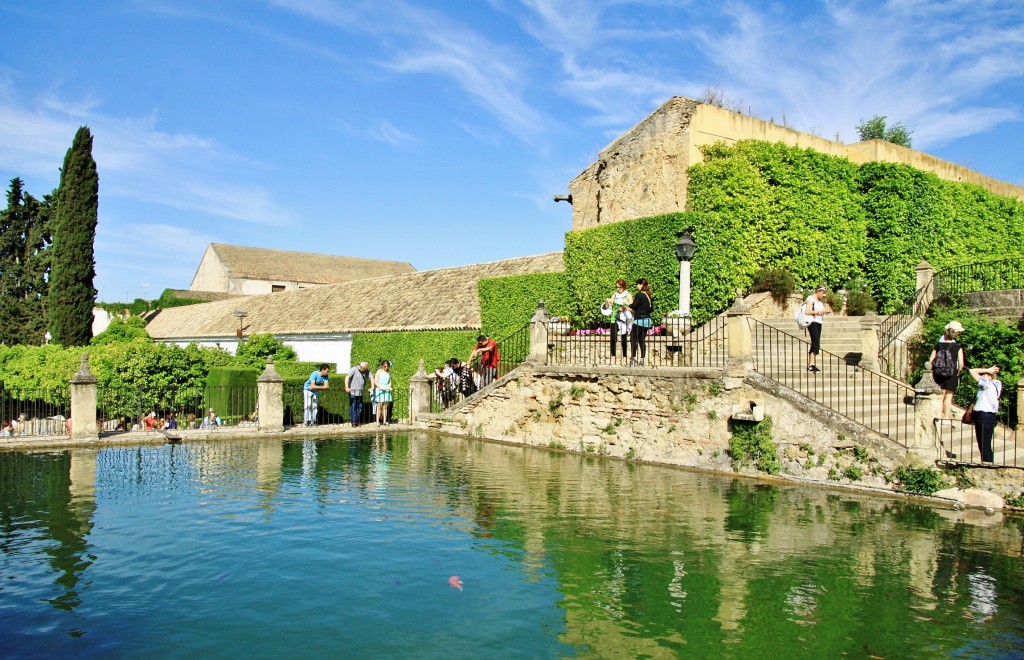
878	402
28	412
668	345
126	408
959	443
514	350
983	276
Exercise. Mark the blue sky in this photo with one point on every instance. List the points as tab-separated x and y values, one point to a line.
437	132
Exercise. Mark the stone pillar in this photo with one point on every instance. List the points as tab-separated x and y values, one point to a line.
83	403
869	327
927	408
740	342
925	287
1020	404
539	336
270	397
419	393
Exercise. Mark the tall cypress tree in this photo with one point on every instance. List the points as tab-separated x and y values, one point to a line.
24	239
73	263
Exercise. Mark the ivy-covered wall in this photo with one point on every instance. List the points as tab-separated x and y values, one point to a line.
755	205
508	303
406	349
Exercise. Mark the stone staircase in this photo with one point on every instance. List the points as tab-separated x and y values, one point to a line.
874	400
871	399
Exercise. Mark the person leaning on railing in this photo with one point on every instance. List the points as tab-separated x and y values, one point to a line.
986	405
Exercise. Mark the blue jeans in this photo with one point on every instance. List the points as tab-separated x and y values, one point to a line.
355	407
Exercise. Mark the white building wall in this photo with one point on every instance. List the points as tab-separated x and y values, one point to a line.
335	351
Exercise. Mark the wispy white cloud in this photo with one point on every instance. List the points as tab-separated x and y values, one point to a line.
139	161
907	60
425	42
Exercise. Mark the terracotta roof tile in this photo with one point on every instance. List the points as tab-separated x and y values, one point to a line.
443	299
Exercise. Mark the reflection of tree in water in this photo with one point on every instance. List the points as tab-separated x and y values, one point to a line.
750	510
36	494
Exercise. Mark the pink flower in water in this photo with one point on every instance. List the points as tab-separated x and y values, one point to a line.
455	582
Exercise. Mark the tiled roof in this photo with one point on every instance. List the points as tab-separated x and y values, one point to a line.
288	266
443	299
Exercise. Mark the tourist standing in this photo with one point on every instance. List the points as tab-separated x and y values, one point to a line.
355	382
986	405
487	349
620	300
814	309
382	396
947	360
641	307
318	380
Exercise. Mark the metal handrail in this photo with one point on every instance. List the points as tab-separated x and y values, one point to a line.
980	276
874	400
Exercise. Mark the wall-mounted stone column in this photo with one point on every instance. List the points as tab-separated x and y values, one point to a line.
539	336
925	286
419	393
927	408
1020	404
270	395
870	324
83	403
741	342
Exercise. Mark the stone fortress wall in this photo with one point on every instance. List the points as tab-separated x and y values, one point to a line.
644	172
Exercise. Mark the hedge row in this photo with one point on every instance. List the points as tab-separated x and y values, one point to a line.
406	349
508	303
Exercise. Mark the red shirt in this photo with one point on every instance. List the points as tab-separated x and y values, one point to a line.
490	358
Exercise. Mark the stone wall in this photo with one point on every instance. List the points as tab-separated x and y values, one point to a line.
645	171
677	417
1008	304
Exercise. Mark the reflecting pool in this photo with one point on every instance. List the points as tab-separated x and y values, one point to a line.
348	548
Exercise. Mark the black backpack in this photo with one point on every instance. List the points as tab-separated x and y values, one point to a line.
944	365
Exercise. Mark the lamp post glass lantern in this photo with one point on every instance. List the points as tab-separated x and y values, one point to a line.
685	247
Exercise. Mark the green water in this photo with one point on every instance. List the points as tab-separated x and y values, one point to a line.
345	548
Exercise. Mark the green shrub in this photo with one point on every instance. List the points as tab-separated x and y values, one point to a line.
835	300
919	480
858	301
231	392
752	443
853	473
779	282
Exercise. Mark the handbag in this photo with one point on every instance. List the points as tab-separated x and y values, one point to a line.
968	415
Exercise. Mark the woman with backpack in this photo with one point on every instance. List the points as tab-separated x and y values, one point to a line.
947	360
814	309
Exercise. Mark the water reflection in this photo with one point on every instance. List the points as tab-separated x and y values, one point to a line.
646	560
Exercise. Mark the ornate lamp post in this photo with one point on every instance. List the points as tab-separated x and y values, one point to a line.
685	247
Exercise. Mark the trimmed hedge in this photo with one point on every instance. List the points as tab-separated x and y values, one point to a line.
406	349
508	303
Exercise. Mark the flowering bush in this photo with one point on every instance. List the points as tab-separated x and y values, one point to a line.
583	332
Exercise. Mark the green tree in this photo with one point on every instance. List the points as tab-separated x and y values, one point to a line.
72	294
24	265
875	129
121	330
253	352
